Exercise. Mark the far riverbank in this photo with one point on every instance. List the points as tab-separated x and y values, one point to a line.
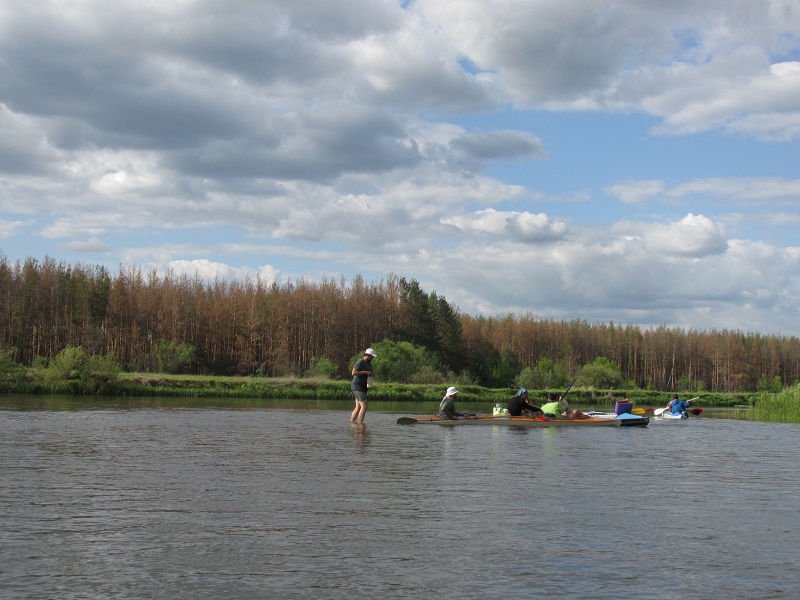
166	385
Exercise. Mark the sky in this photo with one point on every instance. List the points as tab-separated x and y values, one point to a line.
630	162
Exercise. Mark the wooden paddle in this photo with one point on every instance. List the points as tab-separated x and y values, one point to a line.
406	421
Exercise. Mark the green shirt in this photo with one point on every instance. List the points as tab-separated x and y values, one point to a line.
447	408
553	408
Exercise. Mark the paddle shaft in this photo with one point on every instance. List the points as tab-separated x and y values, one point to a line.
569	387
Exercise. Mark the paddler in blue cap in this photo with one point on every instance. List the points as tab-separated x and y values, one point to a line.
520	405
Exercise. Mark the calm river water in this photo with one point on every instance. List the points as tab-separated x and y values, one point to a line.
161	500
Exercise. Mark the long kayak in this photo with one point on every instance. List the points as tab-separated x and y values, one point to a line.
608	420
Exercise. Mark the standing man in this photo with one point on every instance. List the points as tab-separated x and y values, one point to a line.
361	371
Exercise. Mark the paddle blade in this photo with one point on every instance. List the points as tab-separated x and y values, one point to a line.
657	412
696	411
406	421
637	411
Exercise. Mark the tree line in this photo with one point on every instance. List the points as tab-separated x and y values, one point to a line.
181	323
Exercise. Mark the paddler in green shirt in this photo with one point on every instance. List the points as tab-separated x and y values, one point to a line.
447	408
558	408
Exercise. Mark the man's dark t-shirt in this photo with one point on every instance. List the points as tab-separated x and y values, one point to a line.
360	381
517	404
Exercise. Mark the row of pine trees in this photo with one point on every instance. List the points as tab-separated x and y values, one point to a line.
170	322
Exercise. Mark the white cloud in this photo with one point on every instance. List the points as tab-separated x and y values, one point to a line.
8	228
528	227
71	228
693	236
609	275
120	182
358	136
632	192
698	66
412	68
207	269
765	96
782	219
742	190
91	245
753	189
521	227
769	126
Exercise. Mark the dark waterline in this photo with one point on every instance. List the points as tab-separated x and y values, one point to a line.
130	500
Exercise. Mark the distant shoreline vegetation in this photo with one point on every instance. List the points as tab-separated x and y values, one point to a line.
289	388
75	373
179	324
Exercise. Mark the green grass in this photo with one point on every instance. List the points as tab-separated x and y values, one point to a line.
783	406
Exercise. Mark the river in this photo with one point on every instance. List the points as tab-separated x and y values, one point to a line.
158	499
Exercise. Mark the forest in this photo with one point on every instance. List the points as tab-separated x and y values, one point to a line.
179	323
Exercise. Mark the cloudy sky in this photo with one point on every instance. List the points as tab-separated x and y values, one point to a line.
576	159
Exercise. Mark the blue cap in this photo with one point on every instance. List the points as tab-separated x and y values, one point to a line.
521	391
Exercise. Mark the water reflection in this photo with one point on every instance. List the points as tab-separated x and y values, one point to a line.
360	436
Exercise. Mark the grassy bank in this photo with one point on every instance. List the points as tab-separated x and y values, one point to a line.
777	407
295	388
150	384
782	407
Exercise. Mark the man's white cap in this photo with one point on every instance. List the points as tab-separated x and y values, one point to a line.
451	391
371	352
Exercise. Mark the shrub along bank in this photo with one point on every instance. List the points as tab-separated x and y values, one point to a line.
149	384
73	372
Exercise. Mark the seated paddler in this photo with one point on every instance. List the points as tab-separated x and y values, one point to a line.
447	407
521	405
678	407
558	408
